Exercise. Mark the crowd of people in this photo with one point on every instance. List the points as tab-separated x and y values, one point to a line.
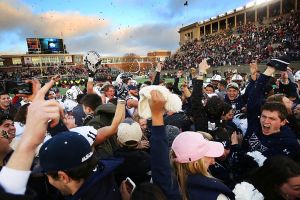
236	137
252	41
68	74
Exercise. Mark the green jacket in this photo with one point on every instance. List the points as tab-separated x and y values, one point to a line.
103	116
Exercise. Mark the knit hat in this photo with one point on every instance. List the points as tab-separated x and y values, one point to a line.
280	63
173	103
191	146
129	130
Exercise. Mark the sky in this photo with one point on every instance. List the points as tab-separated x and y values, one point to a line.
112	28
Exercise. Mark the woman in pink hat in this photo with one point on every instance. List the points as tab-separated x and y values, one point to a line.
191	155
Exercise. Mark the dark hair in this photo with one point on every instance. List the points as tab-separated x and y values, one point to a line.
214	108
223	82
147	191
82	171
3	118
169	85
91	100
21	114
276	106
226	108
275	172
79	97
211	86
147	82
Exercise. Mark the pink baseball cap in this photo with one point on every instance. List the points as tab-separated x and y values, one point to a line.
191	146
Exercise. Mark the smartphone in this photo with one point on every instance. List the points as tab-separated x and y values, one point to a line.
130	185
14	87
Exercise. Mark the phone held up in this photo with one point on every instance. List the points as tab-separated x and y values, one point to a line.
17	87
130	185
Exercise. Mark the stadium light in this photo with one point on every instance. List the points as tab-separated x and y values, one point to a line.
250	4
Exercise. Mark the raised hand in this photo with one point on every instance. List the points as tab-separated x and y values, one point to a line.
203	66
40	113
253	68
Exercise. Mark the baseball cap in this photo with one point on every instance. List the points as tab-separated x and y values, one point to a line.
232	85
280	63
191	146
129	130
132	87
64	151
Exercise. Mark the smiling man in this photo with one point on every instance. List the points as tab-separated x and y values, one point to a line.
5	105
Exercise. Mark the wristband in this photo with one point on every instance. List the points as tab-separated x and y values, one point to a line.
90	79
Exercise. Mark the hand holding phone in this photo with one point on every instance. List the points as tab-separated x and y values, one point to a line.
130	185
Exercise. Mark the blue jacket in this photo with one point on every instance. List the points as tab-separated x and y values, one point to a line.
206	188
198	186
101	184
284	142
238	103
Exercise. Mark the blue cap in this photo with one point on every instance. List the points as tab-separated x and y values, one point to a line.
132	87
64	151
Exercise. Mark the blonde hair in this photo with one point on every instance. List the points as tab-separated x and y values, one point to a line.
182	170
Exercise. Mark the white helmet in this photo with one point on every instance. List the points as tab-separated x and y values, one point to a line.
133	82
92	61
71	94
76	88
237	77
216	77
297	76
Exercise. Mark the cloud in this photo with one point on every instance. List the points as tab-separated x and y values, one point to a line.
48	24
81	33
138	40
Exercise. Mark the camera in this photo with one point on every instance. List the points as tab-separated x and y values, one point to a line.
15	87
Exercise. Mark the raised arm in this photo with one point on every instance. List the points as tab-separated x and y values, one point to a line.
157	74
160	161
108	131
176	82
198	112
40	112
257	97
